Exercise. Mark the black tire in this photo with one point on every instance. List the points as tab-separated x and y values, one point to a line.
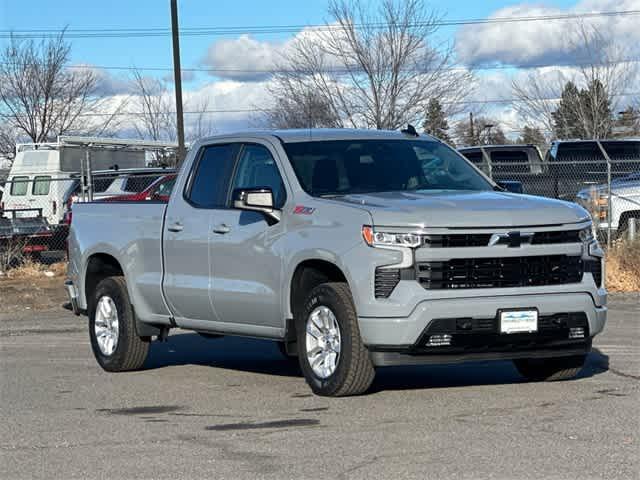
550	369
210	336
131	351
354	371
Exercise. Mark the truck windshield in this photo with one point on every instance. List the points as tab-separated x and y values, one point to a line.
343	167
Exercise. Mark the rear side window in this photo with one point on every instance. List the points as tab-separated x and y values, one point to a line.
210	181
164	189
101	184
19	186
138	183
41	185
475	157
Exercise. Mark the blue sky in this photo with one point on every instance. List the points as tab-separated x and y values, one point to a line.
141	52
532	43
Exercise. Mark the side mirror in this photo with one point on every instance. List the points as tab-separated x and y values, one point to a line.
512	186
256	200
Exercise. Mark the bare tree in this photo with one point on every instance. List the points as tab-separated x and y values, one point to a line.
40	97
375	69
300	109
154	119
602	74
201	123
7	140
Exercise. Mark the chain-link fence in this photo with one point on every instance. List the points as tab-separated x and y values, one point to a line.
36	210
602	177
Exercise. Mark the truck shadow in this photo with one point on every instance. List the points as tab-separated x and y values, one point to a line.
232	353
263	356
472	373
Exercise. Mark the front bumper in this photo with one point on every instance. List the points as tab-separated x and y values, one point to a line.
400	340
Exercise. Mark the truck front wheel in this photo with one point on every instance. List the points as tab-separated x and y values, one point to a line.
550	369
331	353
114	340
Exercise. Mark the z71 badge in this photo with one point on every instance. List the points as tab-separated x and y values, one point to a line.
302	210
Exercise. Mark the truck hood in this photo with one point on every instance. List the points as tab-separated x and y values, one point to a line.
464	209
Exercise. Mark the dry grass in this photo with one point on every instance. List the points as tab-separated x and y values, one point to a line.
30	269
623	267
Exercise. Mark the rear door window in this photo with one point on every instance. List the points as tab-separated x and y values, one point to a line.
41	185
19	186
210	182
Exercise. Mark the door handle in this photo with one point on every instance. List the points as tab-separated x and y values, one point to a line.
222	229
176	227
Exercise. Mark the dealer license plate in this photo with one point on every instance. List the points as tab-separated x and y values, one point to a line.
518	321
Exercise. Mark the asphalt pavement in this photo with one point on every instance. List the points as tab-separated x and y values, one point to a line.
235	408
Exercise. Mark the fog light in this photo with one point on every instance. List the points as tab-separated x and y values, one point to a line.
439	340
576	332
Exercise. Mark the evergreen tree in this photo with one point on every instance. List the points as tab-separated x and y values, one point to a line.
435	122
566	119
532	135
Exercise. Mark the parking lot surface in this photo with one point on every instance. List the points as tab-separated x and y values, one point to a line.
235	408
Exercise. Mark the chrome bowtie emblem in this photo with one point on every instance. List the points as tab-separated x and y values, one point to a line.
511	239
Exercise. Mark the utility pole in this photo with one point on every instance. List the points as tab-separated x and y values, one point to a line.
177	80
472	134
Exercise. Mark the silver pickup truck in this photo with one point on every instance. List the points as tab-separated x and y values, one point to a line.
352	249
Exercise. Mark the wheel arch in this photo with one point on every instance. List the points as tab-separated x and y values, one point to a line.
98	267
308	274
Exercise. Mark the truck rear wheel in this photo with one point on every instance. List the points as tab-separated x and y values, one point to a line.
330	350
114	340
550	369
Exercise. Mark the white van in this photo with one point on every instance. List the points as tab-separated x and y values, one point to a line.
42	174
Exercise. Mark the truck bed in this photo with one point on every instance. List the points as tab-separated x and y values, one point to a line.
131	230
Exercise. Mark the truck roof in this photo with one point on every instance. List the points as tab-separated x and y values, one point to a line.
512	146
323	134
606	140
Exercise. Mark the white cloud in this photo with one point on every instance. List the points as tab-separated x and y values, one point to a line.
250	60
243	58
107	84
542	42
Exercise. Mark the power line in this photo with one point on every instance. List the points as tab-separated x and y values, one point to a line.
344	70
277	29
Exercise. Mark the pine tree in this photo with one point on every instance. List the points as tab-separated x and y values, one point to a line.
532	135
435	122
566	119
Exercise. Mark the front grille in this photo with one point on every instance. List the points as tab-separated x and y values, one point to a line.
482	239
595	268
565	236
457	240
386	280
502	272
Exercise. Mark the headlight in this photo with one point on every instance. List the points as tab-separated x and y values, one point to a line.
375	238
587	234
